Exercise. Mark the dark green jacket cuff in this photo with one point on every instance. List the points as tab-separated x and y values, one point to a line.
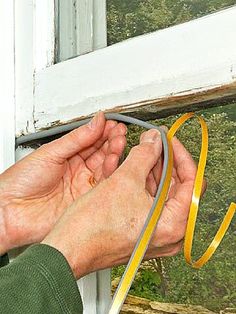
4	260
39	281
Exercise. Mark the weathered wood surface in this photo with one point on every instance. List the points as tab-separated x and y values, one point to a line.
228	311
146	307
135	305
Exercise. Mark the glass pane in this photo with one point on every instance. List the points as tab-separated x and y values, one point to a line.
130	18
170	279
80	27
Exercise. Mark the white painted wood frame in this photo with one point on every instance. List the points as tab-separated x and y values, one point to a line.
34	51
81	27
190	63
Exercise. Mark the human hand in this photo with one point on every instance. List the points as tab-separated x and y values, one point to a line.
100	229
35	191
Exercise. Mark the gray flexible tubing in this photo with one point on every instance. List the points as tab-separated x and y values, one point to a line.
112	116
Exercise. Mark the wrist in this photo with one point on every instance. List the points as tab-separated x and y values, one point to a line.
8	227
76	258
3	233
4	205
78	250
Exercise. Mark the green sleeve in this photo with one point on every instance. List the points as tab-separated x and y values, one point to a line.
39	281
4	260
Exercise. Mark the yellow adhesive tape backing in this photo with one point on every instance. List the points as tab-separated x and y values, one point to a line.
140	249
196	198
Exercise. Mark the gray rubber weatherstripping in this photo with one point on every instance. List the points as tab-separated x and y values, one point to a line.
112	116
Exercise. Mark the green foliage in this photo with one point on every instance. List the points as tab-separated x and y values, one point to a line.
213	286
127	19
147	284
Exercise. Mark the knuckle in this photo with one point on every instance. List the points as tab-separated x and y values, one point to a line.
164	128
73	135
47	152
170	235
147	149
141	151
173	234
44	150
44	147
172	226
174	250
178	235
136	150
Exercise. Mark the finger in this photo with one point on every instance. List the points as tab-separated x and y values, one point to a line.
177	207
167	250
116	146
175	213
144	156
151	185
118	132
110	164
88	151
164	128
185	165
116	140
172	189
120	129
112	129
157	170
183	162
77	140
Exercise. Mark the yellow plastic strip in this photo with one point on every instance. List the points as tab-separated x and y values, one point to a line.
131	270
196	198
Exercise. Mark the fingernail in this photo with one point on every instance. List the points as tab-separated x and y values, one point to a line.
164	128
94	122
151	136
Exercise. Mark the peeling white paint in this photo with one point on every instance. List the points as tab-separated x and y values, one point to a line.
174	61
44	34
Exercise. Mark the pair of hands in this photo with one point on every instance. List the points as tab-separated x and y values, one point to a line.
49	196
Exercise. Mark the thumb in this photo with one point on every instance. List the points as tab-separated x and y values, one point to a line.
78	139
143	157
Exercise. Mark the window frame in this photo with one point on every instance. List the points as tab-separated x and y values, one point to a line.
141	75
41	94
